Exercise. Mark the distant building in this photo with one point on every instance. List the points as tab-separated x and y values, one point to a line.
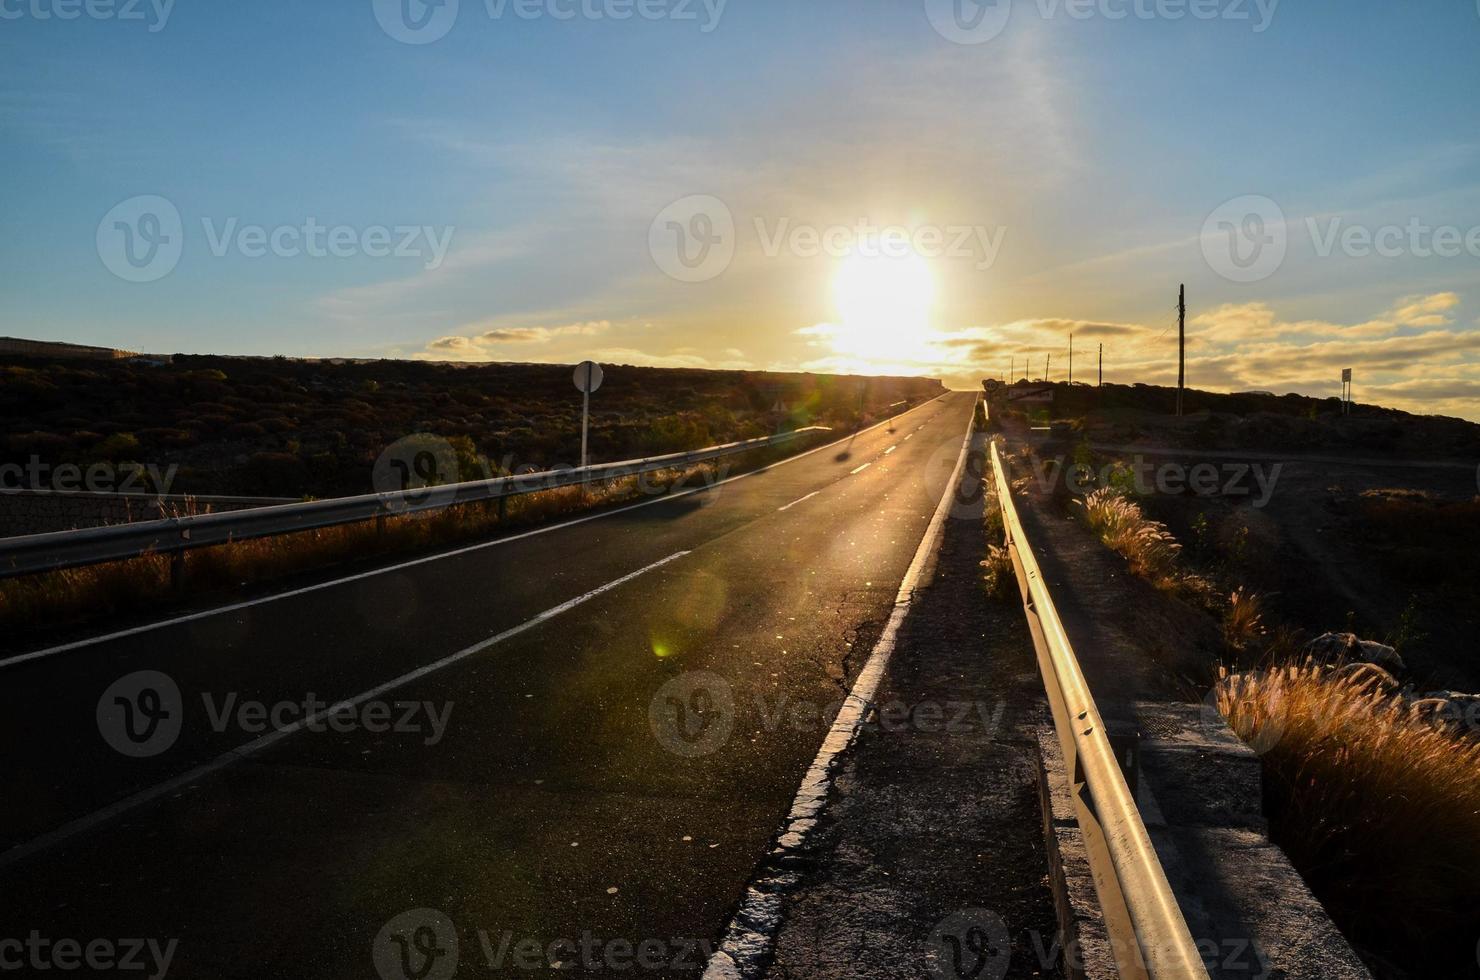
54	350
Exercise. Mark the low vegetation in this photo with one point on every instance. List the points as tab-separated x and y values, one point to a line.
1243	619
997	570
294	428
1124	413
1146	544
1377	806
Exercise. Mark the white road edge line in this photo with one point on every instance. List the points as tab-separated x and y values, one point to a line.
860	469
758	905
233	607
798	500
98	817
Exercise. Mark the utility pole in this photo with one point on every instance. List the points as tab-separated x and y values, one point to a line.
1181	344
1071	357
1047	360
1101	383
1011	365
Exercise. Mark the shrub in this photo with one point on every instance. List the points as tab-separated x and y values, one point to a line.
168	437
117	446
1377	808
44	444
1120	524
999	574
245	430
1243	620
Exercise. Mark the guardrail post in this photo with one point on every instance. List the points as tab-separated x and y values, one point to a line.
1125	740
177	571
503	508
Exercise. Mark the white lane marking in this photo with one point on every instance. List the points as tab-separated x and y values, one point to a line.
860	469
890	450
812	794
799	500
97	817
260	600
908	437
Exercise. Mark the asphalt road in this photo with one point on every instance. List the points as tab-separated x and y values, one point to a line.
571	746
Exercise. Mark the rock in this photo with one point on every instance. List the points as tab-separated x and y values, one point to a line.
1369	676
1382	655
1450	710
1348	648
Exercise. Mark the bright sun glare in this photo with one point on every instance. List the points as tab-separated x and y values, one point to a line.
883	307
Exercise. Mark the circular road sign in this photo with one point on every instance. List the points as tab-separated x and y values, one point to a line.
588	376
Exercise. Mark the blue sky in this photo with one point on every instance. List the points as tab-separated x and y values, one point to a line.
1094	152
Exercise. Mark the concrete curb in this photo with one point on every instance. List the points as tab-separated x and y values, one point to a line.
1086	947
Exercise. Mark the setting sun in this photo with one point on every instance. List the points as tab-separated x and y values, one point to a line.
883	306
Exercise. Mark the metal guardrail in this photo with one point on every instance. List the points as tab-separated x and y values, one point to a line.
91	546
1149	934
149	498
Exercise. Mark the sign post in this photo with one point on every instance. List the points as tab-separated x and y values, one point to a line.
588	378
1346	391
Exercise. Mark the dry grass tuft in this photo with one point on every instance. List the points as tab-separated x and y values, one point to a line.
1120	524
1377	808
999	574
1243	620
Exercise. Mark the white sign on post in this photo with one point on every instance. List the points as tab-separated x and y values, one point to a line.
588	378
1346	374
